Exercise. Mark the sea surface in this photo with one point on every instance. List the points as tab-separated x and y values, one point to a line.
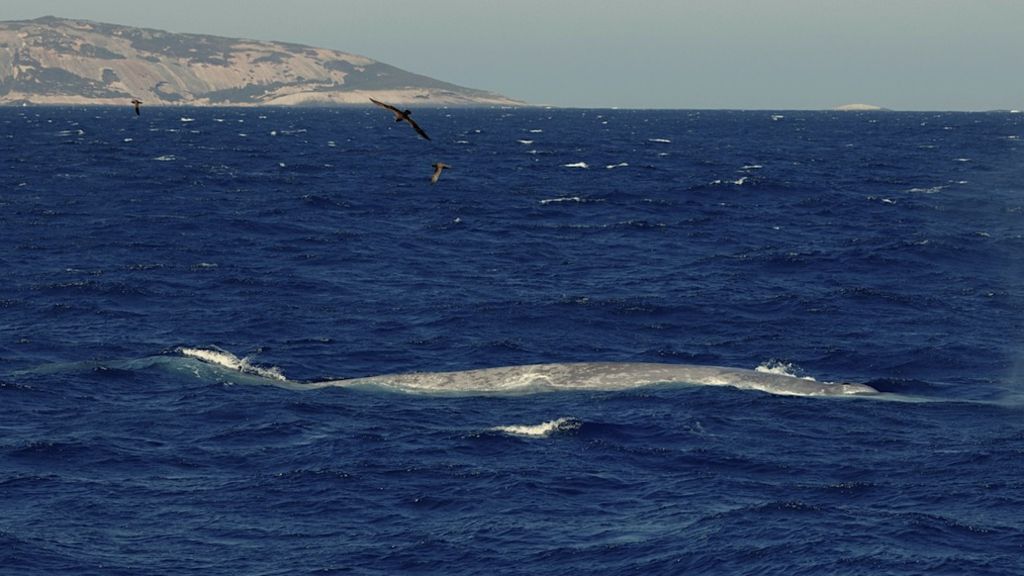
185	293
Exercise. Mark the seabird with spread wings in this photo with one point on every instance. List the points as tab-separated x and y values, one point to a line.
402	115
437	171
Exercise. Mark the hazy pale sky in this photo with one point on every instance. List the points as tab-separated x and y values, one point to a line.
765	54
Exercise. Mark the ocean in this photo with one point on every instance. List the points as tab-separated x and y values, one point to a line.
259	341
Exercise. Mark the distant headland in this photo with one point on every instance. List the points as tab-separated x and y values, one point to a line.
53	60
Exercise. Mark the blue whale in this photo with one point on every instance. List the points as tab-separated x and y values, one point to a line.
596	376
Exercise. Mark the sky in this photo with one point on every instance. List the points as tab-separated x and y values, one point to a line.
748	54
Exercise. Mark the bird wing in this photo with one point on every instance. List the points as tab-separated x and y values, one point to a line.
388	106
416	127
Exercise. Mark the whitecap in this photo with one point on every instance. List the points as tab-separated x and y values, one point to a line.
166	158
187	119
660	140
577	165
931	190
739	182
525	141
536	131
619	165
541	430
752	167
563	199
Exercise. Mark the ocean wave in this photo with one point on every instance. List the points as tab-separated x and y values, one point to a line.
542	430
739	182
564	199
930	190
576	165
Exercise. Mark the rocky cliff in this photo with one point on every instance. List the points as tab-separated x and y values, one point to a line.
57	61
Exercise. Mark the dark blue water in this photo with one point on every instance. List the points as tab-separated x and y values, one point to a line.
878	248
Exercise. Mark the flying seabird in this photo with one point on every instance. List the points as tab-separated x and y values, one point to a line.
401	115
437	171
136	101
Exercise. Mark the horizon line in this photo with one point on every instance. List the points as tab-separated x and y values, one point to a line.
427	105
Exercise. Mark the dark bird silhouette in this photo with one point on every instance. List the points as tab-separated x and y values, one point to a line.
402	115
437	171
136	101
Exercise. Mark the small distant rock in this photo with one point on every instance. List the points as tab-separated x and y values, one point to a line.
860	108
